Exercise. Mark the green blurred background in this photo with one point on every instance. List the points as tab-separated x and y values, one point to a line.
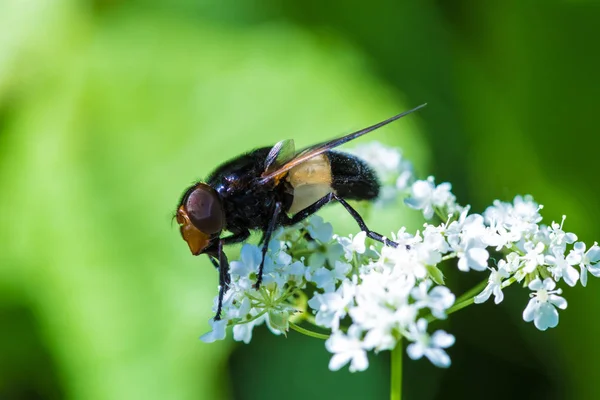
108	109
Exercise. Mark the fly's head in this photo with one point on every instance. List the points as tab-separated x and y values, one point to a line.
200	216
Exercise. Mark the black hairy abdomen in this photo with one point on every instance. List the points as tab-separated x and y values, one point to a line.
352	178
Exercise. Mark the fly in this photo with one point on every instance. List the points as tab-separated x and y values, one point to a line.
271	187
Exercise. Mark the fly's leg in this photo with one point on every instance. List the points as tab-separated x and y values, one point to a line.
310	210
362	225
220	259
224	278
313	208
267	238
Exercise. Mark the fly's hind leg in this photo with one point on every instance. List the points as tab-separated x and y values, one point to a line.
313	208
362	225
310	210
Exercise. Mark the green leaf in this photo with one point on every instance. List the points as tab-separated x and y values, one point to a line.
436	274
279	320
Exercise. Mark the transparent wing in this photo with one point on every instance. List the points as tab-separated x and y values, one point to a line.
313	151
279	155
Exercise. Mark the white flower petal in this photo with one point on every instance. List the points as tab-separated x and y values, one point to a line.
484	295
320	230
548	284
545	317
583	276
574	257
498	295
415	351
422	189
339	360
594	270
579	247
593	254
478	258
536	284
571	276
438	357
217	333
442	339
529	312
243	332
558	301
359	361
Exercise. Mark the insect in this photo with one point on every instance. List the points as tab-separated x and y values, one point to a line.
271	187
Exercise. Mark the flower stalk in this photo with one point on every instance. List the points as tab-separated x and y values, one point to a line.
396	372
308	332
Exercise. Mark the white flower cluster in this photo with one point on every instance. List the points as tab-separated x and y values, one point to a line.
384	296
533	253
369	297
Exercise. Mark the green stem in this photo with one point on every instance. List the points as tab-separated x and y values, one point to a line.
459	306
449	256
509	282
474	291
468	298
396	372
463	301
253	318
300	253
310	318
440	215
308	332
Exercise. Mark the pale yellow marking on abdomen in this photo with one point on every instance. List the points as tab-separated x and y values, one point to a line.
311	181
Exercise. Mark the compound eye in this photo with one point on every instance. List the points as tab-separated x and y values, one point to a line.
204	209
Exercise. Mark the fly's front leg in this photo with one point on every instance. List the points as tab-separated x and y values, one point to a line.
219	259
224	278
214	261
267	238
